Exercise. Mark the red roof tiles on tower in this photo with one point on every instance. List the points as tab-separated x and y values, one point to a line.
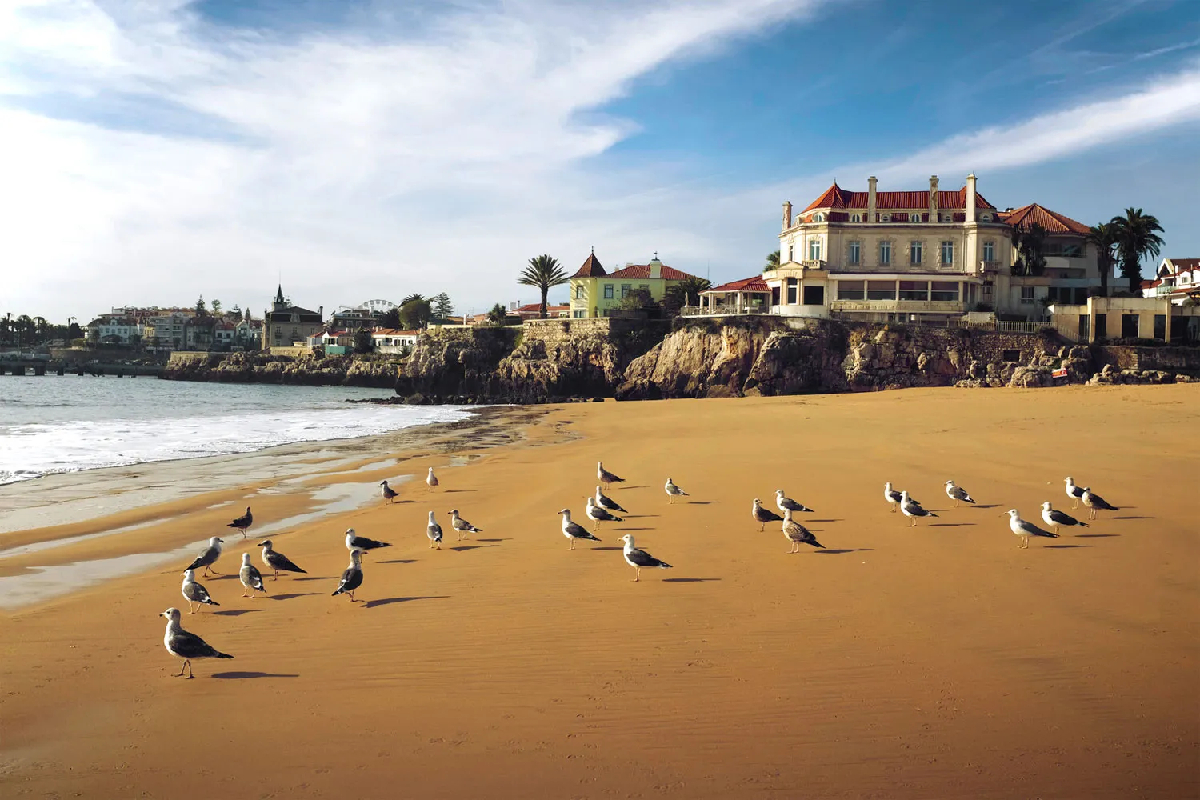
592	268
1025	217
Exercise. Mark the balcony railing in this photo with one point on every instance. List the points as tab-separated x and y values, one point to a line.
900	306
724	310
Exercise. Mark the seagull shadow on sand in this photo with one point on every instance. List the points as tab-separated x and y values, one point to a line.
387	601
689	580
1133	517
993	505
1063	546
292	595
608	548
456	491
633	529
236	612
311	578
464	547
822	520
699	502
398	561
640	516
505	539
626	488
234	676
951	525
1096	535
831	552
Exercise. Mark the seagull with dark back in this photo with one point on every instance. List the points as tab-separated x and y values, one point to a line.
1024	529
640	559
1074	492
797	534
1095	503
606	477
277	561
352	577
573	530
1053	517
893	497
195	593
434	532
208	556
763	515
354	541
184	645
786	503
607	503
250	577
243	522
912	509
598	514
389	494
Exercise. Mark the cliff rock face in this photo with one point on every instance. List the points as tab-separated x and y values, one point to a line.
257	367
454	365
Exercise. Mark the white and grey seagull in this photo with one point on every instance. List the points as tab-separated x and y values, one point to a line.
797	534
277	561
785	503
598	514
673	491
606	477
763	515
195	593
1074	492
354	541
912	509
1053	517
352	577
187	646
1095	502
640	559
250	577
892	496
389	494
606	502
957	493
573	530
461	526
1025	529
434	532
431	480
208	556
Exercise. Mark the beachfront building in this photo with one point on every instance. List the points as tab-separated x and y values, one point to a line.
1098	319
747	296
393	342
114	329
1177	279
1071	273
286	325
165	331
596	292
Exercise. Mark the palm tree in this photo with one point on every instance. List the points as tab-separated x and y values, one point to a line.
772	261
1137	237
1104	236
543	272
685	293
416	297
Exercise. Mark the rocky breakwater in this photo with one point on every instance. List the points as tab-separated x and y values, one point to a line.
258	367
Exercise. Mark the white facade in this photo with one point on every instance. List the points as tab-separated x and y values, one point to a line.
394	342
109	329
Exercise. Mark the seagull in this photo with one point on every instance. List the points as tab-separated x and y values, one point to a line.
434	532
674	491
250	577
461	525
431	480
187	646
352	577
243	522
797	534
389	494
598	514
764	515
195	593
912	509
353	540
277	561
1053	517
957	493
606	502
573	530
208	556
1095	502
1026	529
639	559
786	503
892	496
1074	492
606	477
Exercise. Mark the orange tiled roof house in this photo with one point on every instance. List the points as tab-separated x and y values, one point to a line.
595	292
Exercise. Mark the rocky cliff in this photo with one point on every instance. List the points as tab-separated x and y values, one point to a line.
257	367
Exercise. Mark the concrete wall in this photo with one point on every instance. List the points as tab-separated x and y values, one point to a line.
1065	318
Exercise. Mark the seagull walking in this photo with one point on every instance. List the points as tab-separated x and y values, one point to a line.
957	493
1074	492
184	645
1095	502
389	494
277	561
431	480
1053	517
434	532
607	503
352	576
208	556
1025	529
606	477
250	577
640	559
243	522
573	530
674	491
195	593
892	496
797	534
912	509
353	540
461	525
786	503
598	514
763	515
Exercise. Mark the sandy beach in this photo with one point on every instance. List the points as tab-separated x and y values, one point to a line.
936	661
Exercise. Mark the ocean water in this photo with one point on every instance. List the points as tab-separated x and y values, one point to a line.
52	424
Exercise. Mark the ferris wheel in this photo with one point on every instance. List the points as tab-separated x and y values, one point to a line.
378	305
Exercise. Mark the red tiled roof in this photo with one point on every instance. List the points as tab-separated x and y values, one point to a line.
1050	221
592	268
755	284
1184	264
837	197
392	332
643	271
535	308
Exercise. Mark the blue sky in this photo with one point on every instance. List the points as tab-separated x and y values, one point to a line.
160	149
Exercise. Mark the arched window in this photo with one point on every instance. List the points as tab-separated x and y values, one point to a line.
856	218
986	218
818	217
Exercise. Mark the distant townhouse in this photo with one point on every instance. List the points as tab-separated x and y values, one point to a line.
353	319
394	342
286	325
596	292
534	311
1177	279
114	329
165	331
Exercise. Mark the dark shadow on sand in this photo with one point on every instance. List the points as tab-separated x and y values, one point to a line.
699	502
623	488
640	516
1063	546
398	561
456	491
689	580
820	520
293	594
830	552
311	578
1133	517
234	676
606	548
505	539
950	524
1096	535
633	529
236	612
464	547
387	601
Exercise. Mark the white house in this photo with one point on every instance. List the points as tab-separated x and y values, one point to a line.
389	340
1176	279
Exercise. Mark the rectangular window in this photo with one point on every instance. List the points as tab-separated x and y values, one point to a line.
854	253
881	290
851	290
1102	326
789	255
943	292
914	290
579	292
608	291
885	253
814	249
1026	294
1084	319
915	253
793	291
814	295
625	287
989	251
1080	297
1160	326
948	253
578	313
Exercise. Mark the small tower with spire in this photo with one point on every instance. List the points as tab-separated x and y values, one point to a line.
280	303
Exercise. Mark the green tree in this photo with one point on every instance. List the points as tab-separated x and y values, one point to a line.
411	298
1030	244
498	314
362	341
1137	237
772	261
415	313
236	312
1103	236
443	309
685	293
201	310
391	318
216	308
543	272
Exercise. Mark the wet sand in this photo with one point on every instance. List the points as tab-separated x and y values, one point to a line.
940	661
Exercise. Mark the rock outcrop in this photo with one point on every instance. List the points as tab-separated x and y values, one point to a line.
258	367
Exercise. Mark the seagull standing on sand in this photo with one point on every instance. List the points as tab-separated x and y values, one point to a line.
1053	517
573	530
461	525
797	534
187	646
195	593
243	522
957	493
892	496
912	509
1026	529
1074	492
598	514
352	577
250	577
208	556
434	532
431	480
389	494
763	515
639	559
607	503
606	477
1095	502
786	503
353	541
277	561
674	491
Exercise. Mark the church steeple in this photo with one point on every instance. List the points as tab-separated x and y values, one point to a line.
280	303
